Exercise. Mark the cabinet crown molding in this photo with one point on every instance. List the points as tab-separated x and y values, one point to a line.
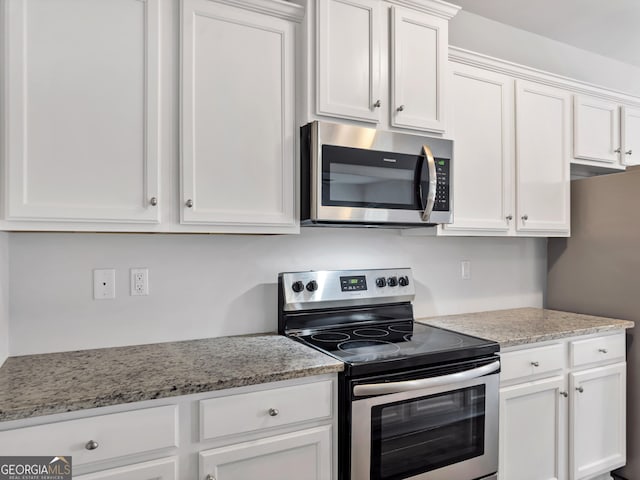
276	8
438	8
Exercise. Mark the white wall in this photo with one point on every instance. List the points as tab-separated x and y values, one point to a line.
473	32
4	296
207	285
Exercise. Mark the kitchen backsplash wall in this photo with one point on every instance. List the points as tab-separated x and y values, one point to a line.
4	296
212	285
473	32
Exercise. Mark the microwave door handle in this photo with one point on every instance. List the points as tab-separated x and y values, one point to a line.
409	385
433	184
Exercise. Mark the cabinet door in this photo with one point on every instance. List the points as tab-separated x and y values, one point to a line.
237	118
631	135
482	107
596	130
81	112
164	469
598	421
418	62
299	455
348	65
542	158
533	419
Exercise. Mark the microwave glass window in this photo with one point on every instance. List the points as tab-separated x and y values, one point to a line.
366	178
423	434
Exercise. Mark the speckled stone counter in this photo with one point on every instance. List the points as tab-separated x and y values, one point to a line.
35	385
526	325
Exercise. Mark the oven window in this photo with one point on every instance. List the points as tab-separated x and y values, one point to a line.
353	177
423	434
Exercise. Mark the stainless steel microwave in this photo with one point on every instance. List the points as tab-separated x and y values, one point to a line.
363	176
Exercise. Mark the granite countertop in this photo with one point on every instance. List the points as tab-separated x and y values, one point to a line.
522	326
34	385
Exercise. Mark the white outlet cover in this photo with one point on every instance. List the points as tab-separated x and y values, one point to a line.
465	267
104	284
139	281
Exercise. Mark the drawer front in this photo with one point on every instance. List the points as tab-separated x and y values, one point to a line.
596	350
248	412
165	469
116	435
532	361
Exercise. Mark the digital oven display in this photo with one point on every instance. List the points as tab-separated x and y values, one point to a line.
350	284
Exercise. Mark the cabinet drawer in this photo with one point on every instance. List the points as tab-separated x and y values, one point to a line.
116	435
531	361
265	409
595	350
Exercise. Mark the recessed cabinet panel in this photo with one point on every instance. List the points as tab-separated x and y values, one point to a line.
598	421
82	110
419	52
596	130
631	135
348	66
237	117
533	431
482	104
542	158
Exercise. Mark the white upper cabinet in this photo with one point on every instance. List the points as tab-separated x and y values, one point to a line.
81	110
380	62
482	125
418	46
631	135
596	126
348	36
238	145
543	154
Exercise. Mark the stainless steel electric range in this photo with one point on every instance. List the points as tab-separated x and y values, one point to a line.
415	401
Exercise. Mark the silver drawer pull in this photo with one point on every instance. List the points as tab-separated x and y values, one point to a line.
273	412
210	477
91	445
580	389
153	201
564	394
535	364
602	350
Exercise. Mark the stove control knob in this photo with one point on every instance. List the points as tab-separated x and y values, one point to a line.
392	281
298	286
312	286
381	282
403	281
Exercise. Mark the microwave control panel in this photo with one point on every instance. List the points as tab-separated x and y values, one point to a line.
442	186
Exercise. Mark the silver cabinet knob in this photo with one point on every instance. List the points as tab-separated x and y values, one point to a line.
617	150
273	412
377	104
602	350
564	394
400	108
629	152
153	201
91	445
535	364
580	389
210	477
525	217
509	218
189	203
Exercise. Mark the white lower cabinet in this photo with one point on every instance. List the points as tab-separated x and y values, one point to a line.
304	454
566	421
541	436
165	469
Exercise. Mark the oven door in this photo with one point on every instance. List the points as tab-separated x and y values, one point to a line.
436	428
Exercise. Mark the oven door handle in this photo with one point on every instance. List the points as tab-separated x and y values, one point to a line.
433	183
409	385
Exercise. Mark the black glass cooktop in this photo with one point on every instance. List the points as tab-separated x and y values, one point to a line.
396	344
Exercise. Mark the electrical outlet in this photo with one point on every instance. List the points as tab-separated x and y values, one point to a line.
465	269
104	284
139	281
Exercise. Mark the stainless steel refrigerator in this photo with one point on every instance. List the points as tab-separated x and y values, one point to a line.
597	271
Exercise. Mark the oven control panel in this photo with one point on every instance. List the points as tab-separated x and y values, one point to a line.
335	288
